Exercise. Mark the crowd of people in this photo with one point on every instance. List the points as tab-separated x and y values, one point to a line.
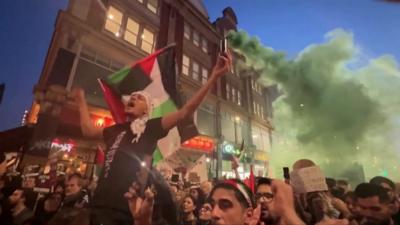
130	191
227	201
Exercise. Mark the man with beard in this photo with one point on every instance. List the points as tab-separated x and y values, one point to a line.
22	201
390	188
264	197
373	205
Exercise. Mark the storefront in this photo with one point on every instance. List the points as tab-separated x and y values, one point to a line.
261	163
193	156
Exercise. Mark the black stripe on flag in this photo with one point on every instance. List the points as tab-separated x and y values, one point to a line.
136	80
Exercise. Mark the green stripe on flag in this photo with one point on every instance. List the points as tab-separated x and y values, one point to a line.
118	76
157	156
163	109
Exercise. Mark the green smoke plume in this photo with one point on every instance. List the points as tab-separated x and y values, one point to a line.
335	108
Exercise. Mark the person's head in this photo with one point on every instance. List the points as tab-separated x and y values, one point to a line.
194	192
264	193
188	205
205	211
302	163
137	105
264	197
343	184
349	200
373	203
22	196
206	187
74	184
330	182
387	184
53	202
29	182
232	203
59	188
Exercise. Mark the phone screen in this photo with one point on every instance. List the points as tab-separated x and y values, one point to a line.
223	45
286	173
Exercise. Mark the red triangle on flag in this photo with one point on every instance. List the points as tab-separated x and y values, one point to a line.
114	102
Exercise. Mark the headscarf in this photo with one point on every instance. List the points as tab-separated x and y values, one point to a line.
138	125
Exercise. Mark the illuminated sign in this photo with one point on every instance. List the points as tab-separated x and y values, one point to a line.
66	147
260	156
230	149
100	121
200	143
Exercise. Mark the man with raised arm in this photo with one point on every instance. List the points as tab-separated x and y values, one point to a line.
130	146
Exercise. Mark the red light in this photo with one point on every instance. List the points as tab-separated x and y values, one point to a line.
100	122
56	141
201	143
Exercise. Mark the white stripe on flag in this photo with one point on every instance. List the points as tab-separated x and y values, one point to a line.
156	88
171	143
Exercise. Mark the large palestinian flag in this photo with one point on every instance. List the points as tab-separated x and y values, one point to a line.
154	74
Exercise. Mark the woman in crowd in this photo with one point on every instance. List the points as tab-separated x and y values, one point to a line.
205	214
187	211
198	196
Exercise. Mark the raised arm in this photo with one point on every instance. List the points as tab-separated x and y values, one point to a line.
221	67
283	203
87	126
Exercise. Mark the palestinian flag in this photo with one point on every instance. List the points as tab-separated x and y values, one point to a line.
154	74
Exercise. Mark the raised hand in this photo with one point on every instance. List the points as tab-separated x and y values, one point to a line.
223	65
283	203
78	94
255	218
141	209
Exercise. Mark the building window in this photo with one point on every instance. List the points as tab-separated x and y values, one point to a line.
195	70
91	66
228	126
196	38
204	75
114	21
228	91
187	31
204	45
152	5
233	94
262	112
100	60
185	65
239	98
206	120
147	41
132	31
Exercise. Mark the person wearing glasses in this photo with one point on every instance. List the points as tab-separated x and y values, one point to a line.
264	197
205	214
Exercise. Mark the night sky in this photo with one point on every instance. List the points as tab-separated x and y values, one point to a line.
27	25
